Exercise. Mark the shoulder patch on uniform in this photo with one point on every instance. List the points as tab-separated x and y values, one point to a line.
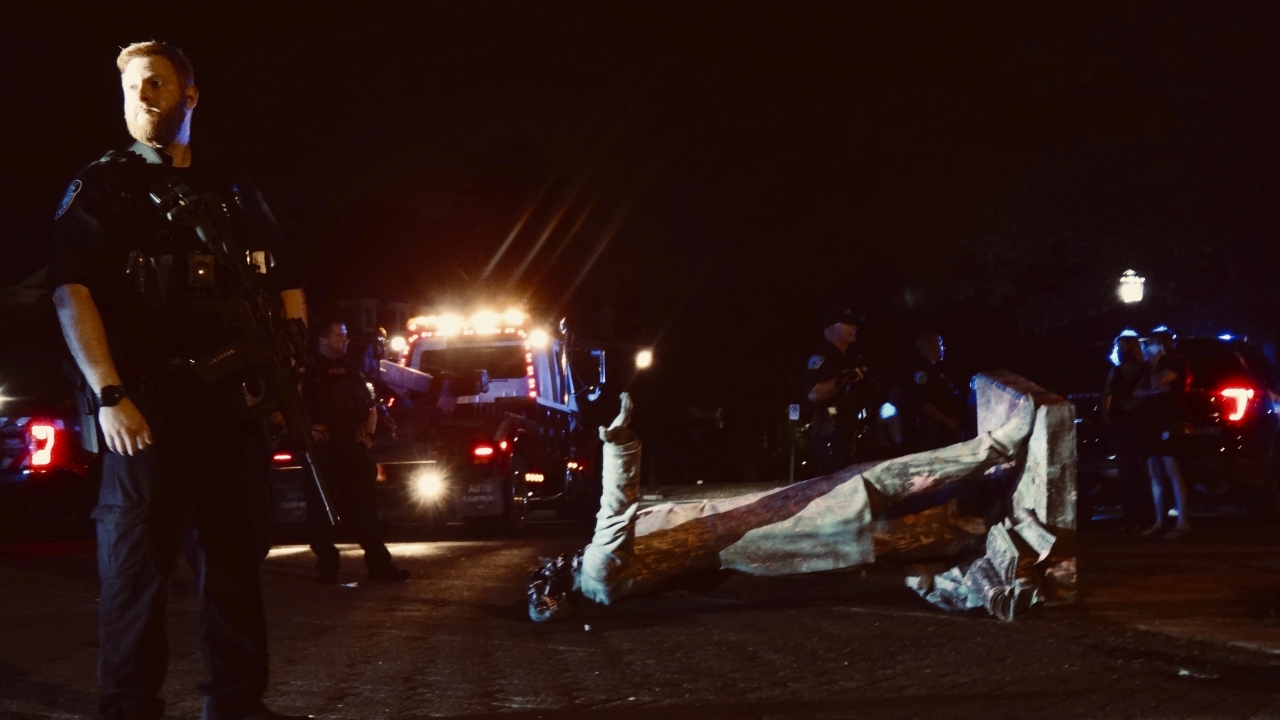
69	197
815	362
922	378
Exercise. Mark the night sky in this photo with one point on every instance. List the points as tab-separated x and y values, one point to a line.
714	172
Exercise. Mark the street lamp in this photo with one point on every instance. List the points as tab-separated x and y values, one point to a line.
1131	285
644	359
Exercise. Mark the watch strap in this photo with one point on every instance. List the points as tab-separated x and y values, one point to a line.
111	395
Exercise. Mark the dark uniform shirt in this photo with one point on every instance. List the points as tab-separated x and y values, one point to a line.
150	278
828	363
834	421
337	397
930	385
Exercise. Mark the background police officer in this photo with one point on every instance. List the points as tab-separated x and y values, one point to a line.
831	378
936	402
345	417
139	299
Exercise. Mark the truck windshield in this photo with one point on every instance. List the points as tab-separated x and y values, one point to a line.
502	361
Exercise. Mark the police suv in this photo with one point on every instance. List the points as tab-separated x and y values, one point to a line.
46	487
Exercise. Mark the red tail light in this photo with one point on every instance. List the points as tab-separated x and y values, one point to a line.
1236	402
43	435
282	457
481	454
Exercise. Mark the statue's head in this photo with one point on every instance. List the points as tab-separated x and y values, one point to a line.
551	587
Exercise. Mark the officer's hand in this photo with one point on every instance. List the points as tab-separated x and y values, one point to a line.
125	429
366	440
319	432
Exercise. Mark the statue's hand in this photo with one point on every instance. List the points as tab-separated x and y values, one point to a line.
618	433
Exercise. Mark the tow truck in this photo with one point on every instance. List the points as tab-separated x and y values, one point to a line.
493	420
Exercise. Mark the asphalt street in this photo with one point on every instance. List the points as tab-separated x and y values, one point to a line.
1190	630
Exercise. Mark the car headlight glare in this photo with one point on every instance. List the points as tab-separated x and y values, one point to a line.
429	486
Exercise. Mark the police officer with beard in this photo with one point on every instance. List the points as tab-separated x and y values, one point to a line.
345	417
141	301
832	380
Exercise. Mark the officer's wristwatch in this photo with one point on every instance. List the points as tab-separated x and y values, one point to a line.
111	395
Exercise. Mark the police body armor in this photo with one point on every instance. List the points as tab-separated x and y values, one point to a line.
210	302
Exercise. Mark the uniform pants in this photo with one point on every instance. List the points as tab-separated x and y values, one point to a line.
353	476
208	471
829	446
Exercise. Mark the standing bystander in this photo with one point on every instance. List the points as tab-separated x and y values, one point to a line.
1163	425
1119	410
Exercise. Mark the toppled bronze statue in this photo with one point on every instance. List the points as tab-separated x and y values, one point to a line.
826	523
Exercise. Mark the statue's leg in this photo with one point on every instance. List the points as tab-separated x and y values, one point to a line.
605	562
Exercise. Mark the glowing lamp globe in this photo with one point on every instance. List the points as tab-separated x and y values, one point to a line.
1131	287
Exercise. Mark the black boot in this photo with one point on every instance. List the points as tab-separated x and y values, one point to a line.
389	574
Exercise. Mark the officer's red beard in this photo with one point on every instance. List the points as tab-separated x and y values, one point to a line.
157	129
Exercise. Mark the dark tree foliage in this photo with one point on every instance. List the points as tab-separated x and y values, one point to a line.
1152	152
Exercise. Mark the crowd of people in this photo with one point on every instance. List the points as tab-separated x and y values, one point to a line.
855	417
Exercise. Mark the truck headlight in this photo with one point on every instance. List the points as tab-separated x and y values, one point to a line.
429	486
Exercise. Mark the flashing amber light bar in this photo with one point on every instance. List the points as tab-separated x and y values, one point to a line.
483	322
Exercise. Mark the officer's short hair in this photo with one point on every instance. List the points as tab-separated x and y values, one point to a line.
325	326
924	338
156	48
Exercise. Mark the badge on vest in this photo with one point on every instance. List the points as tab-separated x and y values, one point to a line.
69	197
815	362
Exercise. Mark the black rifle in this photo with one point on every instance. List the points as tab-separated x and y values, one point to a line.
264	338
